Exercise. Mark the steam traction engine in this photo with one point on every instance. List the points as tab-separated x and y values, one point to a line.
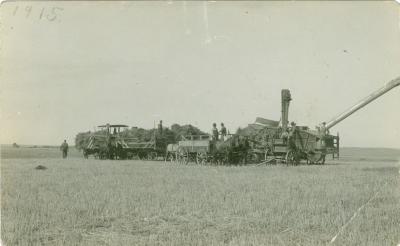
107	143
111	143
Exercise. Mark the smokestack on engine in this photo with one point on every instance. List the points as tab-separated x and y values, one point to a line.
286	98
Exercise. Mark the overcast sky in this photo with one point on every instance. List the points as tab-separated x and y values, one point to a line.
70	66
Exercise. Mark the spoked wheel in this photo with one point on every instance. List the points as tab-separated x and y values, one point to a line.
316	158
183	157
151	156
312	158
321	161
142	156
291	158
225	158
103	155
201	158
170	156
255	158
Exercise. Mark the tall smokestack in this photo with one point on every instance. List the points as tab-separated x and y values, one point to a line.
286	98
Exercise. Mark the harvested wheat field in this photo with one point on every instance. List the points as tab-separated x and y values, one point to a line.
353	201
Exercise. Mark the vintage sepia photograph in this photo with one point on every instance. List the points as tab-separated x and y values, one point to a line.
200	123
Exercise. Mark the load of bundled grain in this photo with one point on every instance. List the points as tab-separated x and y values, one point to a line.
185	130
82	140
166	136
260	132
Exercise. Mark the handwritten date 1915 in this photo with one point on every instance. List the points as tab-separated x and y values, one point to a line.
44	13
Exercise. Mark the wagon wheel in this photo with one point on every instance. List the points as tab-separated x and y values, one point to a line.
102	155
258	157
151	156
312	158
201	158
213	160
183	157
170	156
291	158
254	157
224	159
129	155
317	158
179	157
321	161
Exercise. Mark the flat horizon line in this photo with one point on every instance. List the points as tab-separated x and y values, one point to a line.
52	145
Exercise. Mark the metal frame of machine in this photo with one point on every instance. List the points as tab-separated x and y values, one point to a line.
269	141
109	143
292	144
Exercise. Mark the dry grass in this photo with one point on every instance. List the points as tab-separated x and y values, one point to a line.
90	202
31	152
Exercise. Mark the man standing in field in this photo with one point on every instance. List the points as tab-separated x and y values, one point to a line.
223	132
214	132
64	149
160	128
323	129
292	136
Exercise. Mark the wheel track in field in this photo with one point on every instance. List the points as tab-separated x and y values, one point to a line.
353	217
359	209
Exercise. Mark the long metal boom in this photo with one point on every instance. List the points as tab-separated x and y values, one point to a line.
392	84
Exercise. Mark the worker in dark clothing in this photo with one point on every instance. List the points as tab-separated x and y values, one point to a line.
64	149
223	132
323	129
214	132
292	136
292	129
285	136
160	127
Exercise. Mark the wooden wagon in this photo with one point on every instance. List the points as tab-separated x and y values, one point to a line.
194	148
111	143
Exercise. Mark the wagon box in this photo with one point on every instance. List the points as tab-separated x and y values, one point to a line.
195	145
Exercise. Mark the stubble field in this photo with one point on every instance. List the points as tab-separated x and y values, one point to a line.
91	202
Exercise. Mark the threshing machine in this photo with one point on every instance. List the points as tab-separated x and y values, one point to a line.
273	140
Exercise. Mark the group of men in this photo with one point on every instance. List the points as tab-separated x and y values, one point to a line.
216	135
